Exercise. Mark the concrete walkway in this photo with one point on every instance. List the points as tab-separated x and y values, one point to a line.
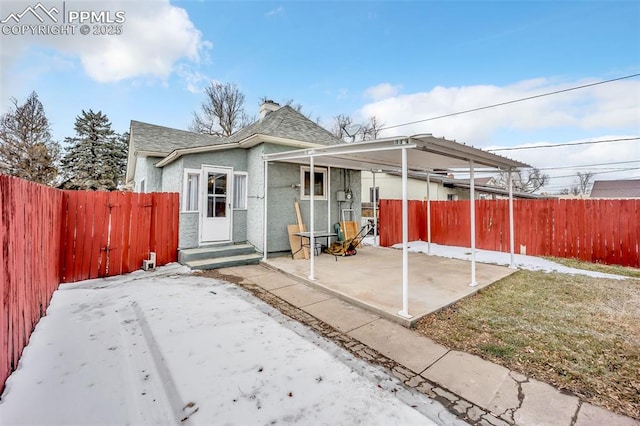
476	390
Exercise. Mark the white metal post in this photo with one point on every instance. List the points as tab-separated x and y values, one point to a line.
428	213
312	242
512	262
405	240
472	195
375	210
329	202
264	213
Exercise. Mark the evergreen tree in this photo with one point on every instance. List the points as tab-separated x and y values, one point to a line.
96	157
26	148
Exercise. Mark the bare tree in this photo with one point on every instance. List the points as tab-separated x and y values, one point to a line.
222	112
26	148
371	130
529	180
585	180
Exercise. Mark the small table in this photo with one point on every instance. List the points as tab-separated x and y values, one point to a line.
307	235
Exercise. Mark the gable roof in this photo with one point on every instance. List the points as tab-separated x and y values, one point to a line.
163	140
629	188
287	123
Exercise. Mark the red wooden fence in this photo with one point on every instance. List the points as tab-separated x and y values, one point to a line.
49	236
604	231
111	233
29	268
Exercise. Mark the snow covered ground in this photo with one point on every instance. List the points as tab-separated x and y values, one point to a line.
531	263
170	348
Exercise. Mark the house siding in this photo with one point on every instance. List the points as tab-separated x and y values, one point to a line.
283	192
188	236
147	171
173	180
255	200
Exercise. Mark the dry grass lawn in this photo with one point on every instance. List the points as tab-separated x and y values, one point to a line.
578	333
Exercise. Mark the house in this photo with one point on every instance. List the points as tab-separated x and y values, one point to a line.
221	179
628	188
442	186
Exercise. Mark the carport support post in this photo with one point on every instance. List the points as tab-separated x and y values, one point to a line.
375	210
312	196
428	213
405	240
472	196
512	262
264	213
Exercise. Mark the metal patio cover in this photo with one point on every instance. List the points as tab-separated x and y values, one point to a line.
426	153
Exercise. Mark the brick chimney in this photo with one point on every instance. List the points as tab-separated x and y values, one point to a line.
267	107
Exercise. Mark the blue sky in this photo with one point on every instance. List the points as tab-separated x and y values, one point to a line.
399	61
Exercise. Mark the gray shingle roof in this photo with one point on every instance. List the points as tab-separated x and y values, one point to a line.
284	123
616	189
154	138
289	124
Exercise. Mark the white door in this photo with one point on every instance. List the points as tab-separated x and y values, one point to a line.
216	212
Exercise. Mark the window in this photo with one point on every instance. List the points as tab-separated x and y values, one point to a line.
319	183
191	190
240	190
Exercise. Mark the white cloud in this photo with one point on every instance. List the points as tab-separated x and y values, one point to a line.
382	91
607	107
156	37
273	12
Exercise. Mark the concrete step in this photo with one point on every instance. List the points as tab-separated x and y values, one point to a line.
214	252
225	262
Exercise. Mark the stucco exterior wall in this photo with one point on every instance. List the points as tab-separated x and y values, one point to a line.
188	236
284	180
173	178
152	175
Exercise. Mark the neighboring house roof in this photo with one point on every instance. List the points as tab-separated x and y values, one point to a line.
485	181
629	188
466	184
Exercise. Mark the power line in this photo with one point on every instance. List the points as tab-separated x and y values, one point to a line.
564	144
589	165
512	101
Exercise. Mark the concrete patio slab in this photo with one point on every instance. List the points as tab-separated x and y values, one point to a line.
469	376
340	314
406	347
544	405
590	415
300	295
373	279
